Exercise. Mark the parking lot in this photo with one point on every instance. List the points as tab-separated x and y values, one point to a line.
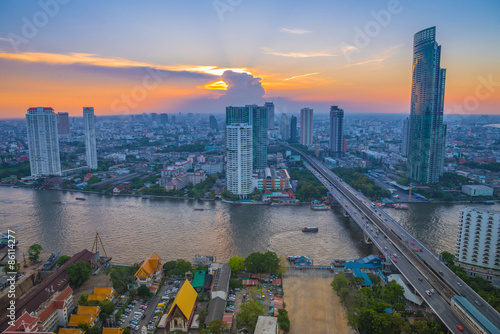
141	313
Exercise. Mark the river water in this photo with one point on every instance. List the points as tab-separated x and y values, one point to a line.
132	228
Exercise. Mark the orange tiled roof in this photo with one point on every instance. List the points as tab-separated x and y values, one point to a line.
149	267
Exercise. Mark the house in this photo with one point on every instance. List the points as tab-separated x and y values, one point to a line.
26	323
181	313
101	294
117	190
150	271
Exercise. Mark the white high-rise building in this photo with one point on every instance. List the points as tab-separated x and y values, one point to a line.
43	142
306	126
239	158
90	142
478	244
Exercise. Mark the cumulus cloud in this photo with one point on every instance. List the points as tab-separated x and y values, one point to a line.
242	89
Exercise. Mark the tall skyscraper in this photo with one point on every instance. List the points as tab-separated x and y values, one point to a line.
306	126
63	124
239	158
255	116
478	245
42	142
213	123
90	141
336	132
270	115
163	118
285	127
427	135
406	137
293	129
154	117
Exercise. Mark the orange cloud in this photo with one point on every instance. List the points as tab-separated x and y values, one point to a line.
218	85
92	59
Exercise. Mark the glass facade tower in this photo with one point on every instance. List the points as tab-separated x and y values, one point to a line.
427	132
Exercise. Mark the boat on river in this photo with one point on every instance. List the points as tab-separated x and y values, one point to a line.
310	229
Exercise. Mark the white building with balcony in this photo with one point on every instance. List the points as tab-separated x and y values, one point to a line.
478	243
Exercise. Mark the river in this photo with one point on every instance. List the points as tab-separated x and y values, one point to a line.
131	228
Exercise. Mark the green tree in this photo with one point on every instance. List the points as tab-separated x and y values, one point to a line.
62	260
250	312
181	267
237	264
82	301
143	291
262	262
339	282
283	320
107	308
217	327
235	283
448	257
78	273
169	267
34	252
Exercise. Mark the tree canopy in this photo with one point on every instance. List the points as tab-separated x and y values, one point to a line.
249	314
78	273
237	264
267	262
62	260
34	252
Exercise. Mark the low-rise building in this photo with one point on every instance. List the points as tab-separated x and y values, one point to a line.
150	271
477	190
271	178
266	325
181	313
56	311
101	294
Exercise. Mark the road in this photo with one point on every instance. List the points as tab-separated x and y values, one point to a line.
413	259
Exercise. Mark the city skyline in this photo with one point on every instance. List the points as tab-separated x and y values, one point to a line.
73	54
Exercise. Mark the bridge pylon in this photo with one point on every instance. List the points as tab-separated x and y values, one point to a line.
367	239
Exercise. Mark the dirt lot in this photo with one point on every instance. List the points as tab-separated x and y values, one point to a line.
98	281
312	306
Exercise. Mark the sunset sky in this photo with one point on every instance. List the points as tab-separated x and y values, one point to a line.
129	57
